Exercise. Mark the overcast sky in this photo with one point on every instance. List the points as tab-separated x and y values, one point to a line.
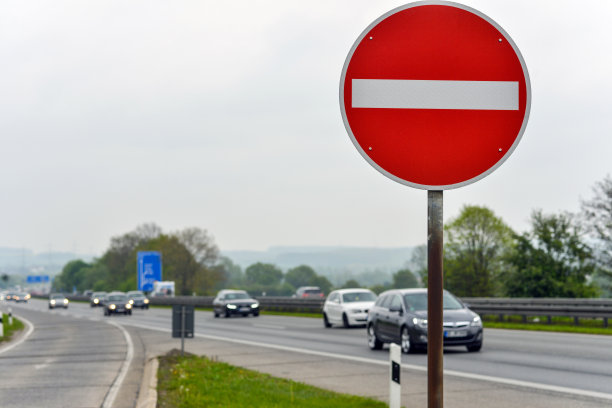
225	116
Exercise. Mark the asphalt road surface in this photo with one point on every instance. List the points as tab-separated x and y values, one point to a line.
578	363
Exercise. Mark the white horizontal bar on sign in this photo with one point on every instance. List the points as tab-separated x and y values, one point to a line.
424	94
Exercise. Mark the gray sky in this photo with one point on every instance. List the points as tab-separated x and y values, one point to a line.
224	115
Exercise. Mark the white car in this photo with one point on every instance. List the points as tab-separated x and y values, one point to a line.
348	307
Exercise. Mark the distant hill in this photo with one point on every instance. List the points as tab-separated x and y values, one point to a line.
368	265
23	261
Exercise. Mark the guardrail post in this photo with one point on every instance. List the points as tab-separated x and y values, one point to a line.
576	321
10	316
1	326
395	389
605	322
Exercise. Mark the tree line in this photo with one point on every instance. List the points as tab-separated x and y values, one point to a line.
561	255
191	259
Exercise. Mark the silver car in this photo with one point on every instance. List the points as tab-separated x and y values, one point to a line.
58	300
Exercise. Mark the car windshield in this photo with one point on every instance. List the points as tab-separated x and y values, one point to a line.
313	291
57	296
117	298
418	301
98	294
135	294
232	296
358	297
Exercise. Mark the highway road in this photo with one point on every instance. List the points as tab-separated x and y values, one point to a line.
573	363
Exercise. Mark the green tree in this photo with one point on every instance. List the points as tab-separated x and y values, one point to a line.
264	274
71	276
351	283
597	219
404	278
476	242
302	275
551	260
324	283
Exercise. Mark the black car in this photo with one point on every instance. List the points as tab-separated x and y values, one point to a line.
138	299
117	302
229	302
400	316
97	299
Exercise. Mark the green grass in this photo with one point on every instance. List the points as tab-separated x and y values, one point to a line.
9	330
558	324
193	381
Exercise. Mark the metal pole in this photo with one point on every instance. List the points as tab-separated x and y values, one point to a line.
435	286
182	330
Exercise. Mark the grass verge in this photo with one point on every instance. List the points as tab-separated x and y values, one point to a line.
9	330
558	324
193	381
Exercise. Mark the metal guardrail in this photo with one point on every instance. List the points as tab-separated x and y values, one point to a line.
501	307
548	307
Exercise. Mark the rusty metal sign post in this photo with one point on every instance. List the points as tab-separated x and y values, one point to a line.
435	286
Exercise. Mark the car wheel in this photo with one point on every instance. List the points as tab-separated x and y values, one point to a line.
373	341
345	321
227	313
216	315
255	314
50	308
65	307
326	322
474	347
405	341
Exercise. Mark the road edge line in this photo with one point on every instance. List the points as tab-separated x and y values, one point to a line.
15	343
109	399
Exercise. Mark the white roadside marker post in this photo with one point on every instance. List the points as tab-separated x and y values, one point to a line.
10	316
1	325
395	389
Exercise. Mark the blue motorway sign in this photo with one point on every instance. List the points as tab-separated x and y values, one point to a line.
37	279
149	269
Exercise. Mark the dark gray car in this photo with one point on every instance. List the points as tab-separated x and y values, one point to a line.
400	316
229	302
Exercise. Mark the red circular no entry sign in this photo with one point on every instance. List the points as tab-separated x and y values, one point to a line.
435	95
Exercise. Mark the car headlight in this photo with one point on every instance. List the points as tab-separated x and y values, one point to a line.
52	302
255	305
128	306
96	300
231	306
476	321
422	323
146	301
65	301
112	307
131	301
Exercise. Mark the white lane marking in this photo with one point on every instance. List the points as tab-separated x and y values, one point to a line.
507	381
423	94
45	364
114	389
269	326
23	338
